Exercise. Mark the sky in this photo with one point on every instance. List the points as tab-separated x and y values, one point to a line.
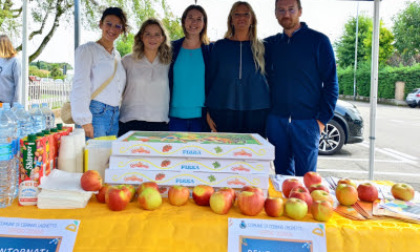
326	16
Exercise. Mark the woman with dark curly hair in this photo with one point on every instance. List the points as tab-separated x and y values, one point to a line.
98	64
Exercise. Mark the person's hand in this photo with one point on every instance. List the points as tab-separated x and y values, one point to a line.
88	130
211	123
321	126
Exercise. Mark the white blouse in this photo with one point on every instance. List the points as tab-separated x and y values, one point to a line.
93	66
146	96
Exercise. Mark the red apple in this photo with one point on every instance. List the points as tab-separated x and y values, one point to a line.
318	187
178	195
150	199
346	194
201	194
347	181
305	196
402	191
250	203
288	185
221	202
116	199
252	189
147	184
299	189
296	208
274	206
367	192
91	180
322	195
322	210
100	196
311	178
231	191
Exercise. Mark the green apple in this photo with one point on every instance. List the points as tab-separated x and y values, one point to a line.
296	208
150	199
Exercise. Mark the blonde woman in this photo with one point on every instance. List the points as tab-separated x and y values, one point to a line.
145	104
9	71
238	99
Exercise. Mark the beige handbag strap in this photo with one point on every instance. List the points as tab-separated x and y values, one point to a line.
105	84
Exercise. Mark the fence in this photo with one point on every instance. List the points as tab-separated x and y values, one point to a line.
55	94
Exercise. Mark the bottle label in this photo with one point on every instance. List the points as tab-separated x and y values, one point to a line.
6	148
28	193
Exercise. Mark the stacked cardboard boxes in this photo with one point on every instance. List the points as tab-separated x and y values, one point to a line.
189	159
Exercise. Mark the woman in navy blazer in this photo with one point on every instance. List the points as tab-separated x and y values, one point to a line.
188	73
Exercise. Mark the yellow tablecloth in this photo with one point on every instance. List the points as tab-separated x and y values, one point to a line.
193	228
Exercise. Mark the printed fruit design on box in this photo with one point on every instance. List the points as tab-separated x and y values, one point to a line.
166	148
160	176
240	168
242	153
165	163
188	137
216	165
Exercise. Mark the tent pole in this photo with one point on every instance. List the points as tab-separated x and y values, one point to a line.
23	97
76	23
374	88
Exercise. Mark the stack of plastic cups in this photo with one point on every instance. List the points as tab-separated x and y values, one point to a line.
67	157
79	145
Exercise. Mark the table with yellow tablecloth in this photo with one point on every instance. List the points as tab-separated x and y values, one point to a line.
194	228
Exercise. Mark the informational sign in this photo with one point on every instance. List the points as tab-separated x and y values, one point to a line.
250	235
37	235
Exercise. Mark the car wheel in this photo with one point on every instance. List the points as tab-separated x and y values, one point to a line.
412	105
331	139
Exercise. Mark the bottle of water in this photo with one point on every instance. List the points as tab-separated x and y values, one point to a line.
37	118
6	161
49	116
15	106
24	121
14	134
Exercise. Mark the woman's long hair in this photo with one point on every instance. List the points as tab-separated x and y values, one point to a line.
203	34
6	48
164	51
257	45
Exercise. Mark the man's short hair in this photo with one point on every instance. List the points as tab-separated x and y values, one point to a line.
298	3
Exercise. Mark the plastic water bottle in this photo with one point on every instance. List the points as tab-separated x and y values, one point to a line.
24	121
14	133
15	106
37	118
49	116
7	164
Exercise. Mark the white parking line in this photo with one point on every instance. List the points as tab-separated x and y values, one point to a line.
366	172
366	160
402	157
401	154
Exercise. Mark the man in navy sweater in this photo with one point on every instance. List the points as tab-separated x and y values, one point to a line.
301	72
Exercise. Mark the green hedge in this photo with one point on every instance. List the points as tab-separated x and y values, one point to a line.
388	76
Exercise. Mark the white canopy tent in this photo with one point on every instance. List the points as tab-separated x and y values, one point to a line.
373	82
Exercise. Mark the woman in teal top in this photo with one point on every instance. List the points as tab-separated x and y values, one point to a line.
187	73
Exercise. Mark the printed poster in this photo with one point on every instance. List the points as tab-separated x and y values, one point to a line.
17	234
269	235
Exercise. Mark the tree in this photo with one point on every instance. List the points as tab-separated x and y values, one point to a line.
56	72
125	46
47	15
407	33
345	46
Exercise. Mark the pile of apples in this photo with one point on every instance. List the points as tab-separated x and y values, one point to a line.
299	199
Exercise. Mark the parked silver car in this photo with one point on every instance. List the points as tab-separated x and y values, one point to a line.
413	98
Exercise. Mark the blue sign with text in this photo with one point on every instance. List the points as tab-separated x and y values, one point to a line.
38	244
271	245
